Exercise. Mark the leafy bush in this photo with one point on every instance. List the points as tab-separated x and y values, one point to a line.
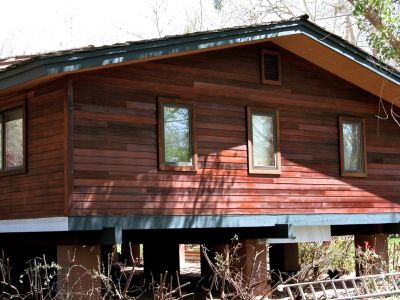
337	254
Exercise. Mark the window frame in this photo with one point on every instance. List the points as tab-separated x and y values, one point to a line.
343	172
3	110
161	145
276	170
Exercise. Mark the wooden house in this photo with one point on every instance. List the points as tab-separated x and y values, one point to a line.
267	131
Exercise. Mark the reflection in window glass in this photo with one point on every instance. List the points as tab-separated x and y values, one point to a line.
14	146
177	135
352	146
263	140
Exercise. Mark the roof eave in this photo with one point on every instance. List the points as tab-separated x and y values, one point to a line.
353	53
156	49
87	60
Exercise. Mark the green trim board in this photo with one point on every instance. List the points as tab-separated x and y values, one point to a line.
169	222
53	224
87	58
225	221
116	224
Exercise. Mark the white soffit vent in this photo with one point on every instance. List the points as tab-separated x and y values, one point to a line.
304	234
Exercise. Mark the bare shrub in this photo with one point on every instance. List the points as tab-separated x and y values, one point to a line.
50	281
6	288
40	277
394	253
164	289
369	261
235	276
42	283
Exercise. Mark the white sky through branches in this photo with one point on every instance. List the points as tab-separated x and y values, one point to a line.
29	27
43	25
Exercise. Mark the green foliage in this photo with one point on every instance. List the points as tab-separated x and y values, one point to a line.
337	254
341	254
218	5
381	20
193	247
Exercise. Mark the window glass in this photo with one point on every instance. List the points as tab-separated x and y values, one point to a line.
14	146
352	146
263	140
177	135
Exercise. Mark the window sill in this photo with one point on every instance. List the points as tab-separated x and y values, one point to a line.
264	171
12	172
350	174
177	168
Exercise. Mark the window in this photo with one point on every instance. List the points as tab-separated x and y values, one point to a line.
271	67
12	145
352	147
177	150
263	141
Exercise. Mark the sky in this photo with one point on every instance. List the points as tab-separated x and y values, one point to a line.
28	27
39	26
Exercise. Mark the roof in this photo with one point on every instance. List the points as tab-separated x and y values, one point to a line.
11	61
297	35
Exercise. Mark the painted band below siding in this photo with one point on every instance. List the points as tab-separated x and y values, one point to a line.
181	222
34	225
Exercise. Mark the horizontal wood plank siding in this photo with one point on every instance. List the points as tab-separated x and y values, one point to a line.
115	140
39	192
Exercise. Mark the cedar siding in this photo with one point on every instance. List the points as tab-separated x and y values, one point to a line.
114	150
39	190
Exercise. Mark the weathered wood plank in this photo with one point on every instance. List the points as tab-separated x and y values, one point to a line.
40	191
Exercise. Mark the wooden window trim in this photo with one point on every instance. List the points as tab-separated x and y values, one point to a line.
343	172
263	170
266	81
21	169
161	160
